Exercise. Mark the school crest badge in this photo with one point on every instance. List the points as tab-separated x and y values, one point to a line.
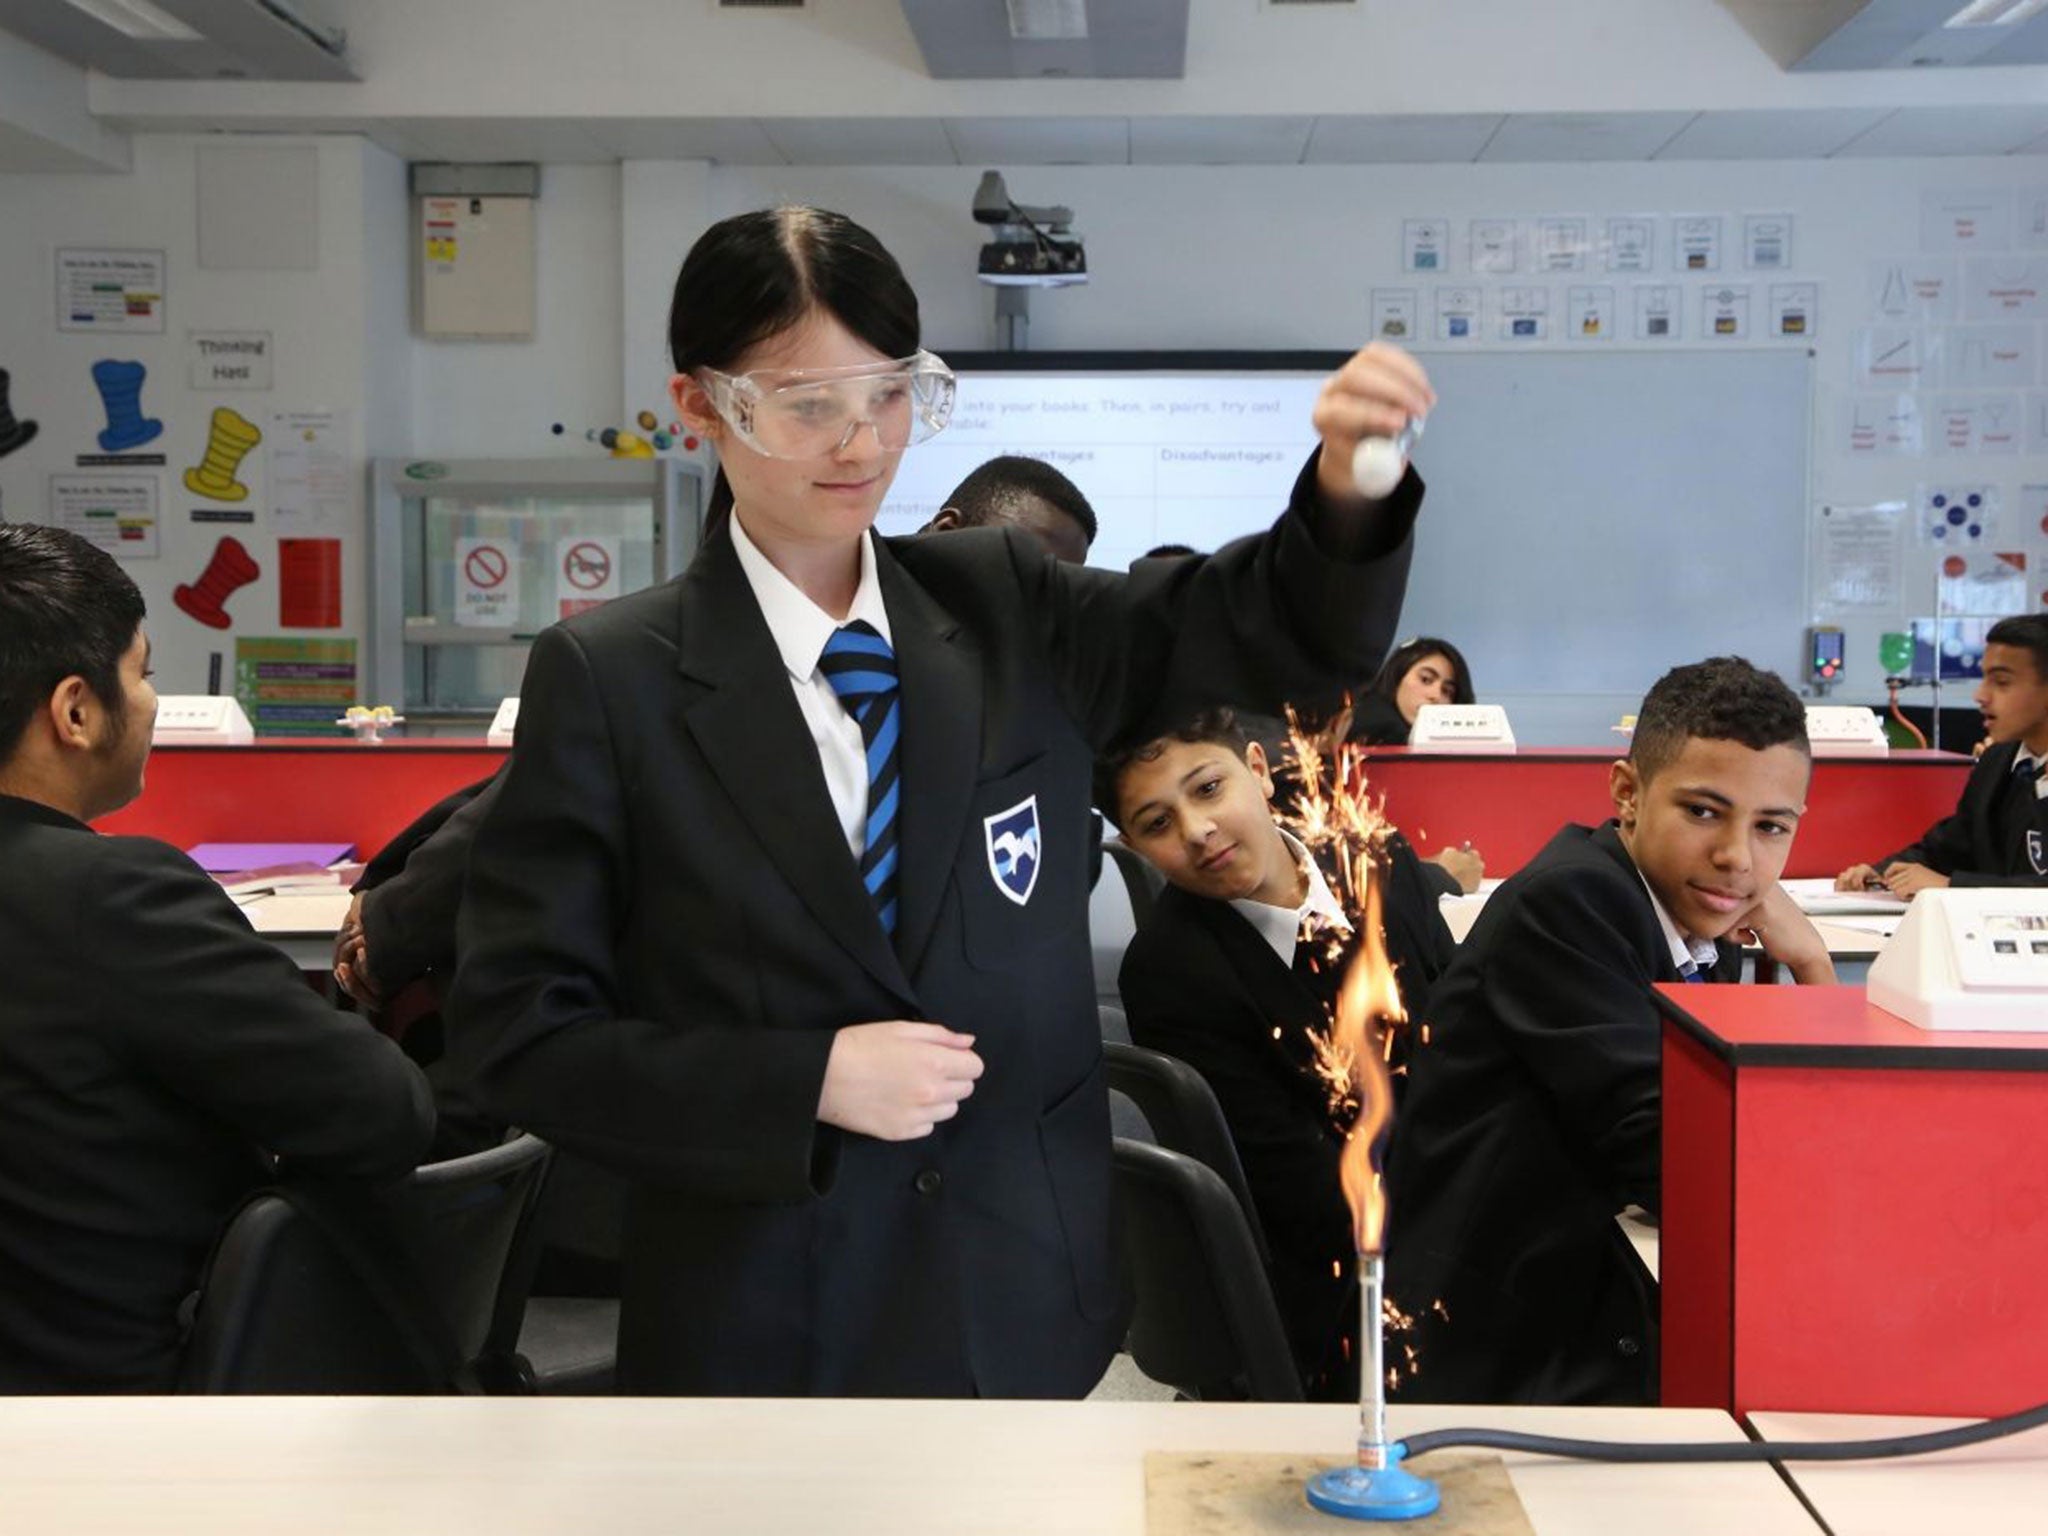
2036	854
1013	845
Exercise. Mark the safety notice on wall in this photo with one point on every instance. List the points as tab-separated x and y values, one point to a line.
586	573
486	583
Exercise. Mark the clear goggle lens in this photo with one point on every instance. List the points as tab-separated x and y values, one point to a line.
815	413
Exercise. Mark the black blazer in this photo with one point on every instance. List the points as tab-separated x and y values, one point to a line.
1199	982
152	1052
412	888
1969	846
1531	1118
1377	722
663	928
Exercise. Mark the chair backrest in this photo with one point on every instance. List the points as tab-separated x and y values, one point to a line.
1205	1322
1181	1108
1111	924
1142	882
319	1288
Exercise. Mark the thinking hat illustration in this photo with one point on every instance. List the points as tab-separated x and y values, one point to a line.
120	387
230	568
13	434
227	444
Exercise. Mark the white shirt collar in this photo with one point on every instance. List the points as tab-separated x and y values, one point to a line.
1280	927
1702	954
2040	760
800	626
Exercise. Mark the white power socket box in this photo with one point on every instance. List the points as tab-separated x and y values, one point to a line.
1845	730
1970	957
503	722
200	720
1462	728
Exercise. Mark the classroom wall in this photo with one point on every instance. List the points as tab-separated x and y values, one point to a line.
1288	257
322	322
1247	257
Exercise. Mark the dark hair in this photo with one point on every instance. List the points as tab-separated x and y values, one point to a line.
1000	489
2027	632
756	274
1169	551
1387	682
1721	699
67	609
1217	724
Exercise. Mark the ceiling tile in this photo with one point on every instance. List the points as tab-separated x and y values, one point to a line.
1040	140
1988	130
1220	140
1791	134
861	140
1583	136
485	139
1400	139
724	140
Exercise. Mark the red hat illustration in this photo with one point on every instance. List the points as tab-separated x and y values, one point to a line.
231	567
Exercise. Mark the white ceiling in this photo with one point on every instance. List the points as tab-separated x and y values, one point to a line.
842	82
1403	139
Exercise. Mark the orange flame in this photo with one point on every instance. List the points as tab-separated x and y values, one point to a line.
1337	817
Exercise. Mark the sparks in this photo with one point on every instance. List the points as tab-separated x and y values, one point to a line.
1334	817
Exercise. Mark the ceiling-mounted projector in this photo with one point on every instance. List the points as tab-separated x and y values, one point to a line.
1028	247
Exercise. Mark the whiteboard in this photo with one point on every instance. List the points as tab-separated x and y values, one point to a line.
1592	519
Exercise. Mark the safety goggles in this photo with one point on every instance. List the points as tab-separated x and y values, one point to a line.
815	412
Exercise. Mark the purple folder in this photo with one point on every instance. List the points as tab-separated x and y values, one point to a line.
217	858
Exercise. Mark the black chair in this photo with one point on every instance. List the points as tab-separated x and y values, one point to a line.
317	1287
570	1335
1142	882
1113	1024
1181	1109
1205	1322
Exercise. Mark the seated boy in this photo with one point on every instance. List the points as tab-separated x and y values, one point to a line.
1532	1114
154	1053
1999	832
1219	977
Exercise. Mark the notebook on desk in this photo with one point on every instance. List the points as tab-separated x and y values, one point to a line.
229	858
1817	897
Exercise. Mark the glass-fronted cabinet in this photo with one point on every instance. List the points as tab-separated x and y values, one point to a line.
471	558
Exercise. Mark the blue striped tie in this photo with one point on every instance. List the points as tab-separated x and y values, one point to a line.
861	668
1690	972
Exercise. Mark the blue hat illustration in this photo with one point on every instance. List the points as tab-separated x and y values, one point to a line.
120	387
13	434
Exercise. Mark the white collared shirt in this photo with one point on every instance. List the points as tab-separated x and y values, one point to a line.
1702	954
2040	762
801	628
1281	926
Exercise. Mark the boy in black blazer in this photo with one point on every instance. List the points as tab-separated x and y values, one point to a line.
1999	832
1532	1114
154	1053
1220	975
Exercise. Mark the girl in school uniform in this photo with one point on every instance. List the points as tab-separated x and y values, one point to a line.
1421	671
782	909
